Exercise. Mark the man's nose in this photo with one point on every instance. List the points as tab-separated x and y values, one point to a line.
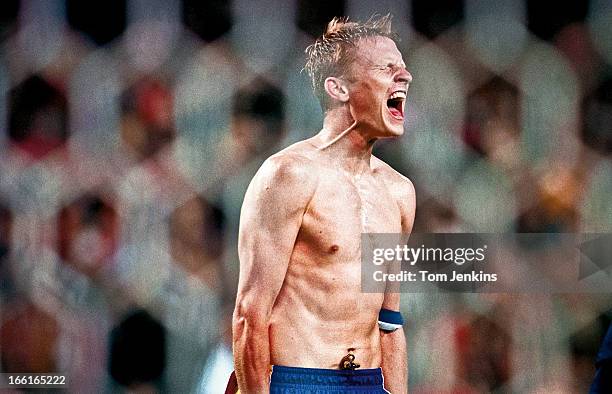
403	75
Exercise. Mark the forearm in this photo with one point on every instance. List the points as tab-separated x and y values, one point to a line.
394	361
251	356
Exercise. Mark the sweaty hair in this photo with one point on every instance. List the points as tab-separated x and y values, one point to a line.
333	52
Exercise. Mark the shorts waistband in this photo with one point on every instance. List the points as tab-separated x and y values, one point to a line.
327	377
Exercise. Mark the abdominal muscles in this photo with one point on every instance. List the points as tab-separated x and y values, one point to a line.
321	313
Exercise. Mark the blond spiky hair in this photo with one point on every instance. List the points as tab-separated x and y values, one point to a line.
333	52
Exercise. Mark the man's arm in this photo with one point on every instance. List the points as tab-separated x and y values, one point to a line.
394	353
270	219
393	344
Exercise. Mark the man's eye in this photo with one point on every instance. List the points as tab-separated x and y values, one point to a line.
387	68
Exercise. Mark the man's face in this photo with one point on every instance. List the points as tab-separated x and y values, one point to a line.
378	84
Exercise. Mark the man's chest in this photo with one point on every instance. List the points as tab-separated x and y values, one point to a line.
344	207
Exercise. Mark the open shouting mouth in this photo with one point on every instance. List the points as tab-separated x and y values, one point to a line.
395	104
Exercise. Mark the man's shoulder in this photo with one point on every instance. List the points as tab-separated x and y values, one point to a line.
392	176
295	158
293	164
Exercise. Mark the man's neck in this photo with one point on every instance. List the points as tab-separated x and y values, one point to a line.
350	149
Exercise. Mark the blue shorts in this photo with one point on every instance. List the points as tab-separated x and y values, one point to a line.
291	380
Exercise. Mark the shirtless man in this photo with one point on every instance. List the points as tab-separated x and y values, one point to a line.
299	306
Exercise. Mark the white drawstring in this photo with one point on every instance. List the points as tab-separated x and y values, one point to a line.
345	132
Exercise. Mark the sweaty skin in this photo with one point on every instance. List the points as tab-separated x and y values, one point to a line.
299	299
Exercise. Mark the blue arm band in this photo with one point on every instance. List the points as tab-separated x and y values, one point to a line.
389	320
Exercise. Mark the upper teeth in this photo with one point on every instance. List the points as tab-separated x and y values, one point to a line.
398	94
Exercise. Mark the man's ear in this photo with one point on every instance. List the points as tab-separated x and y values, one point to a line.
336	89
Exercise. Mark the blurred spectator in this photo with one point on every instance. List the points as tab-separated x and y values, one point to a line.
436	217
209	20
138	353
597	130
557	194
483	352
88	234
101	22
432	18
37	117
257	129
87	238
257	124
492	124
8	16
577	46
194	291
147	123
313	15
196	241
28	339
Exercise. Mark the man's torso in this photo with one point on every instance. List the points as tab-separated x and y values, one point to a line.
320	311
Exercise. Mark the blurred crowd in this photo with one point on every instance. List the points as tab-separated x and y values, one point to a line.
129	130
